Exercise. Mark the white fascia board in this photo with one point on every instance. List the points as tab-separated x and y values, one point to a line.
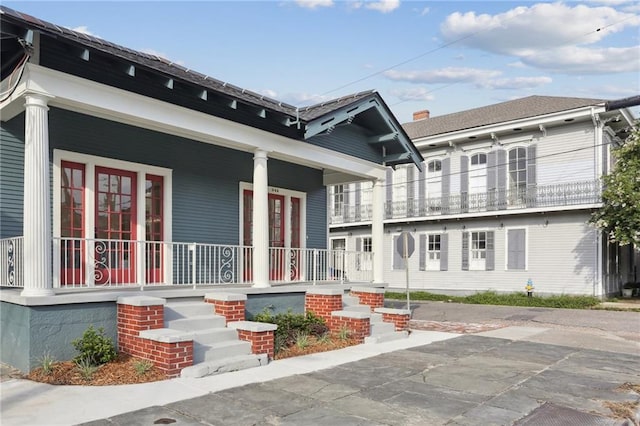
88	97
462	136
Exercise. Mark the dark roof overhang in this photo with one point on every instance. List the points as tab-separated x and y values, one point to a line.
368	111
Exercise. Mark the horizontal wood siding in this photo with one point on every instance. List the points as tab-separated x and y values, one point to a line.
567	154
561	256
11	177
205	177
348	140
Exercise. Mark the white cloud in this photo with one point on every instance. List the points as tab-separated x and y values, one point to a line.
314	4
543	31
580	60
84	30
161	55
303	99
515	83
517	64
416	94
384	6
425	11
269	93
443	75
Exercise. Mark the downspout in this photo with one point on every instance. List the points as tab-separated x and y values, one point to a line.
597	168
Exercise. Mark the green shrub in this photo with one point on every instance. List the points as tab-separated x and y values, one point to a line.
291	325
86	368
46	362
94	347
142	366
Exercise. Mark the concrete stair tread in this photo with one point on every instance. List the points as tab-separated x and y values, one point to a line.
375	317
224	365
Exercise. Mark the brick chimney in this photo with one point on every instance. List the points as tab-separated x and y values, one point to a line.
421	115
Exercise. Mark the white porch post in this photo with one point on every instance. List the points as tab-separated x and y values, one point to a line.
377	231
37	208
260	257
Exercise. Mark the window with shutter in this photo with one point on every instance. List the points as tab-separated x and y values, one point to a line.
398	261
516	249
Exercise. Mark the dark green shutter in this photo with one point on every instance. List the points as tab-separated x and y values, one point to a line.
465	251
444	252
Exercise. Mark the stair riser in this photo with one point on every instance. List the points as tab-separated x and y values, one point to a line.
206	353
172	312
350	300
357	308
193	324
379	328
215	335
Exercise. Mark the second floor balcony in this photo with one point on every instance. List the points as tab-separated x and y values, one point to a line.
533	197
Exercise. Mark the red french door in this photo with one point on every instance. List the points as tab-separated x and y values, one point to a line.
154	222
72	232
296	257
115	226
276	235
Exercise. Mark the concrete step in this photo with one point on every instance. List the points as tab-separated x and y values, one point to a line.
224	365
216	351
380	328
177	310
214	335
387	337
375	317
198	322
357	308
350	300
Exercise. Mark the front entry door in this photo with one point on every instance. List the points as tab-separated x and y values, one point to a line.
115	226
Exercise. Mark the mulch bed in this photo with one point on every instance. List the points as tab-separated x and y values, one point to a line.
315	346
118	372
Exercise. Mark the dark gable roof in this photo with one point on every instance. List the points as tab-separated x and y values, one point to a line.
152	62
531	106
318	110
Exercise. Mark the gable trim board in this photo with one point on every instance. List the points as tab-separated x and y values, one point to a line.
87	97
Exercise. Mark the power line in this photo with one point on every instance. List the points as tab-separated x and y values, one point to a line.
493	167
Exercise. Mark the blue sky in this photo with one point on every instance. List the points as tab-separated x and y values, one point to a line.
444	56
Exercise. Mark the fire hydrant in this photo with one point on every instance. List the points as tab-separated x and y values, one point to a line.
529	288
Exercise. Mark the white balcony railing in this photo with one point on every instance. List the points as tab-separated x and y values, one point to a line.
539	196
82	263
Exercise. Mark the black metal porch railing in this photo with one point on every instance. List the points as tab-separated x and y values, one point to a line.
539	196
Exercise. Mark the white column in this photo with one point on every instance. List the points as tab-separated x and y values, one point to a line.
37	208
377	230
260	220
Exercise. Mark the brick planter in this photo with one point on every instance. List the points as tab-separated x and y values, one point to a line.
229	305
141	334
358	323
372	297
399	317
261	336
323	302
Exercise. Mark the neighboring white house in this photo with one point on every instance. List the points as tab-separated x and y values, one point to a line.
505	196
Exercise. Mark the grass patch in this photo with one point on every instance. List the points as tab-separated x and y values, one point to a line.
512	299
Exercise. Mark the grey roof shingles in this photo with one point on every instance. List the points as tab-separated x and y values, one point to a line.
530	106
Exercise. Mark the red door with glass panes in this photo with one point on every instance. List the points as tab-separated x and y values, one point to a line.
276	235
154	229
115	226
296	257
72	208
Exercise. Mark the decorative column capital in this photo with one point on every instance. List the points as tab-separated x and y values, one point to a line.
260	154
37	99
